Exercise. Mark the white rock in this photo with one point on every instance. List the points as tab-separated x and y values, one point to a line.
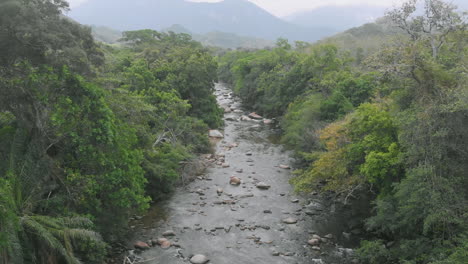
263	186
215	134
290	220
199	259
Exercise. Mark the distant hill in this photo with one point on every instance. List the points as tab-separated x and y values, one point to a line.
366	39
224	39
210	39
239	17
339	18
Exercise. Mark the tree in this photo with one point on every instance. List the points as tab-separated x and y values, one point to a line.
438	20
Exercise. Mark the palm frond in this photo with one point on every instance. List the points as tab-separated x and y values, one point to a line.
46	237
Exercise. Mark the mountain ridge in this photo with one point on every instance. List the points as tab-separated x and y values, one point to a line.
240	17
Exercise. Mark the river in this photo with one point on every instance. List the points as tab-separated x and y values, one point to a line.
244	224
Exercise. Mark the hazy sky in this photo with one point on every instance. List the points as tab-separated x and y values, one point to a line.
287	7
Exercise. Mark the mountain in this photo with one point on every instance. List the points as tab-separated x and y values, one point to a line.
210	39
339	18
234	16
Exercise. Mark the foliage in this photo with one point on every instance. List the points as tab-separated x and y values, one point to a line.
392	121
85	142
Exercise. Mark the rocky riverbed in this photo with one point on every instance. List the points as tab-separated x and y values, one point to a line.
243	209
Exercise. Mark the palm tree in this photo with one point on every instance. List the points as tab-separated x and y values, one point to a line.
49	238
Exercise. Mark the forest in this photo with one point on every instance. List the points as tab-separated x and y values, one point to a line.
91	134
381	109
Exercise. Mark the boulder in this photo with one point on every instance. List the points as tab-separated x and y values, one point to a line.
286	167
141	245
245	118
199	259
290	221
161	241
169	233
255	116
215	134
267	121
313	242
234	180
166	245
263	186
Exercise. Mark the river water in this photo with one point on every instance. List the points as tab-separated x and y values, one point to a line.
243	224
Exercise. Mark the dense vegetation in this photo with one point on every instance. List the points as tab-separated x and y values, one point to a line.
90	134
390	120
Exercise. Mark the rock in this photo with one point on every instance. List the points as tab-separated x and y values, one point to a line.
315	206
225	165
245	118
329	236
227	110
219	191
255	116
275	253
294	200
289	254
267	121
264	227
286	167
141	245
290	221
316	248
199	259
160	241
316	237
234	180
199	192
313	242
166	245
267	211
248	153
317	261
169	233
263	186
309	212
215	134
240	171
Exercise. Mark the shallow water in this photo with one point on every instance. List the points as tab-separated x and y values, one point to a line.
241	232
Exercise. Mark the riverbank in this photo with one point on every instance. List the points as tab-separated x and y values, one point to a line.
261	220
